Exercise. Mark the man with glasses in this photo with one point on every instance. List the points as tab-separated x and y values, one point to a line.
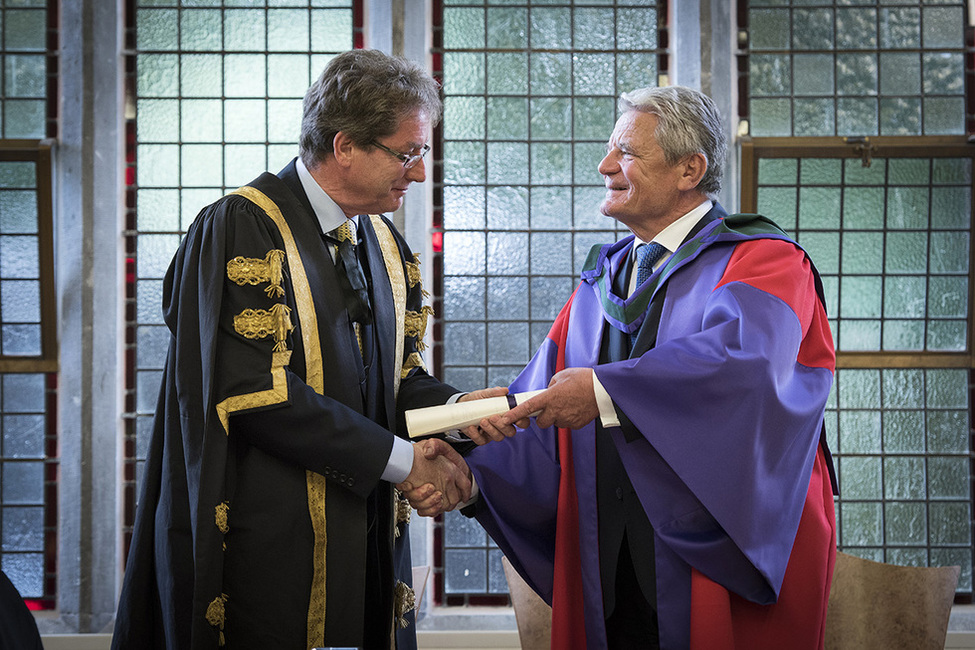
268	516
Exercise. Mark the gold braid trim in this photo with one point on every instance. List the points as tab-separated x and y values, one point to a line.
416	325
405	600
260	323
413	270
251	270
403	511
315	378
220	517
217	615
397	284
412	361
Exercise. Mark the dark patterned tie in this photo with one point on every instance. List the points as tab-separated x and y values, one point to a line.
646	256
353	280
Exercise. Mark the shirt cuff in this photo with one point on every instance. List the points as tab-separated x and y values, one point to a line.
475	494
607	410
400	462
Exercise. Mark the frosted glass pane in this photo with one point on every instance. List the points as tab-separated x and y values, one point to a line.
593	74
284	119
812	29
551	29
245	120
463	207
201	165
855	335
20	301
593	29
947	336
906	252
287	30
507	253
158	120
859	389
463	28
906	524
860	296
464	162
771	74
243	163
154	254
21	340
18	212
769	29
158	75
24	29
199	29
944	115
24	392
636	29
900	116
948	478
25	75
951	171
907	208
23	529
506	299
551	73
551	118
856	116
943	73
23	483
824	248
464	73
856	29
863	208
465	571
947	431
949	252
904	477
948	296
507	118
585	208
904	432
508	343
862	524
950	523
507	208
507	28
245	75
813	74
636	70
26	572
23	436
201	75
463	298
158	29
587	156
463	253
243	30
856	74
149	301
497	583
900	74
819	207
821	171
287	75
779	204
551	253
778	171
331	30
466	379
943	27
947	388
903	335
18	256
863	252
201	120
551	208
814	117
462	531
552	163
900	28
463	344
860	477
463	118
859	432
507	162
548	296
904	296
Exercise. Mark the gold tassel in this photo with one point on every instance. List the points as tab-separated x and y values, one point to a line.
416	325
275	262
222	510
281	314
216	615
405	601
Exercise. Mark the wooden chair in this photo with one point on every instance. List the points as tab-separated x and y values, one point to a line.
885	606
533	615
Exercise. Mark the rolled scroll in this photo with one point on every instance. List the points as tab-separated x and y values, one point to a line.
439	419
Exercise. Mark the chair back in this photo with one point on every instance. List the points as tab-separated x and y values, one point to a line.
533	615
885	606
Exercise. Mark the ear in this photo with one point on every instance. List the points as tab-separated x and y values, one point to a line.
692	170
343	149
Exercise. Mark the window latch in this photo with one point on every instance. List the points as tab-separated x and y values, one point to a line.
861	145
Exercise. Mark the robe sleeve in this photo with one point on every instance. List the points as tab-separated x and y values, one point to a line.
728	414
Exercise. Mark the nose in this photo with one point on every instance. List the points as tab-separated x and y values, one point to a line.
609	164
418	172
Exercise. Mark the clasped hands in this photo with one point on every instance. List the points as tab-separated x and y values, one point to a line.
441	480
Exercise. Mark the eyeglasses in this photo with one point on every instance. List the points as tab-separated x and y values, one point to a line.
408	159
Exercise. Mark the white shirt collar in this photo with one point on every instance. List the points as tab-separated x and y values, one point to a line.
328	212
673	235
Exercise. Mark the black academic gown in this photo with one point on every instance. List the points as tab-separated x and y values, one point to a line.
263	521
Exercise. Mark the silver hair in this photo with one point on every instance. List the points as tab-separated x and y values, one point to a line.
688	122
364	94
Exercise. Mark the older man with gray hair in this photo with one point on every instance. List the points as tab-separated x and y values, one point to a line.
671	488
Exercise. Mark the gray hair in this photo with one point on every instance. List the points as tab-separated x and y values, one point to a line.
688	122
364	94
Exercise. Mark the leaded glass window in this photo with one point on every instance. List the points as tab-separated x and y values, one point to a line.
216	89
530	91
886	215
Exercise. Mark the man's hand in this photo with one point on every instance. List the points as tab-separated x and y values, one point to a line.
440	479
495	391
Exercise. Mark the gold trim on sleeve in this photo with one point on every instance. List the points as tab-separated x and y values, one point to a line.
412	361
397	283
405	599
261	323
314	377
252	270
416	325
